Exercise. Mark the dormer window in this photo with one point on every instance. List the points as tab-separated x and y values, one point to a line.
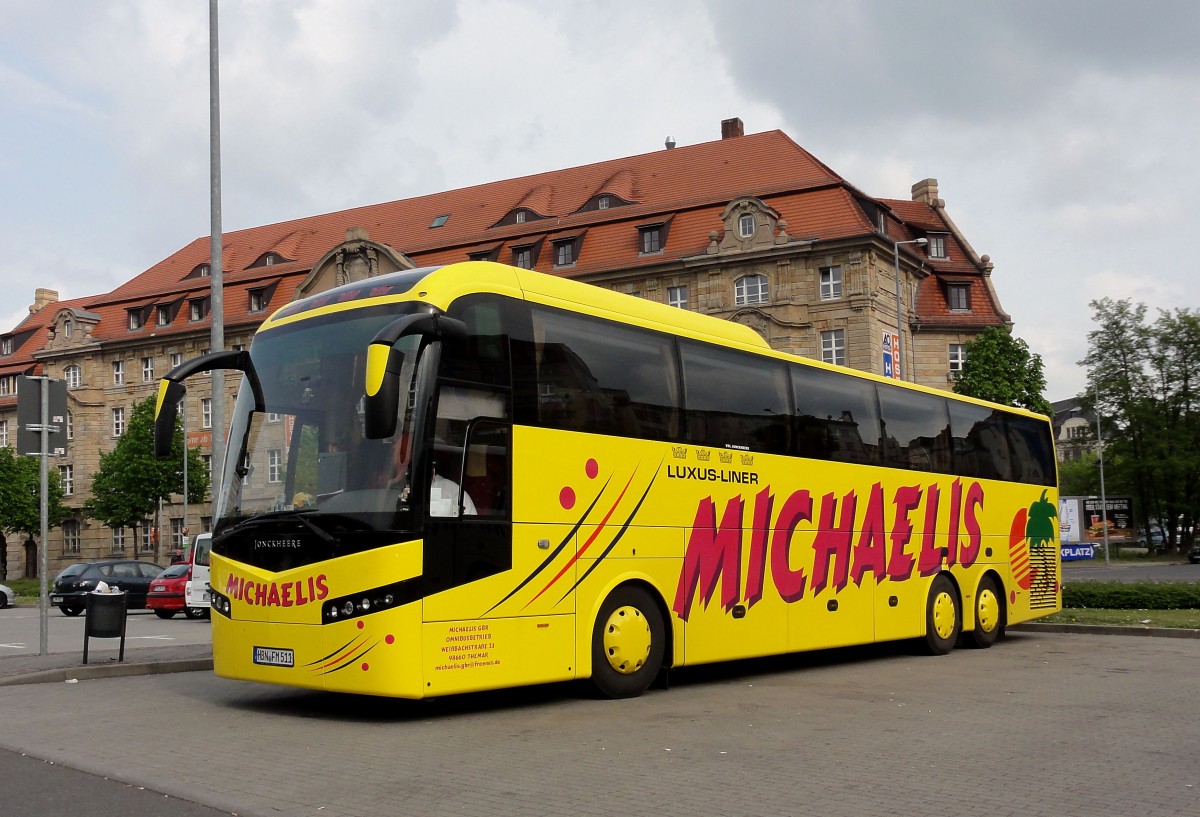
958	297
566	250
162	314
747	225
68	328
268	259
937	246
258	301
197	309
6	346
439	221
652	238
523	257
136	318
520	218
201	271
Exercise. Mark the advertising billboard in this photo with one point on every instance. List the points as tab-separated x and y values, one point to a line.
1083	520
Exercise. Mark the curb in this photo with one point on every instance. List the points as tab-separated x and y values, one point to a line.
87	672
1107	629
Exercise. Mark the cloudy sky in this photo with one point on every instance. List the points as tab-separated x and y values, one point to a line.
1063	134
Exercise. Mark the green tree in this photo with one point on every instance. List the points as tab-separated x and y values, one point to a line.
1080	477
131	481
1145	377
1000	368
20	500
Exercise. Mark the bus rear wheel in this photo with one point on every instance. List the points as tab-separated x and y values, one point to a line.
943	618
628	643
989	615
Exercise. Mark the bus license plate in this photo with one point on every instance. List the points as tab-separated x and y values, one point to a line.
274	657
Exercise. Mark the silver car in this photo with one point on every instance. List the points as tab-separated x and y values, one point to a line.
7	596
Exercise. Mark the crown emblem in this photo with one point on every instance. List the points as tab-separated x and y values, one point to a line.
679	452
747	459
726	457
703	455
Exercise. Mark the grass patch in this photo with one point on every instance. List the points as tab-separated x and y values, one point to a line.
1173	619
29	588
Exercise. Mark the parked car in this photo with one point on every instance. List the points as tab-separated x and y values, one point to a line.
7	597
166	597
74	583
1194	555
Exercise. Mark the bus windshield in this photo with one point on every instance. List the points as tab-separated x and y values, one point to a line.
305	451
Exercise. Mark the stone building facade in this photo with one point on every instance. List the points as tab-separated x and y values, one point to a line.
749	228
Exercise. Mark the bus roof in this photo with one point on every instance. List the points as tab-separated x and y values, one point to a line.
442	286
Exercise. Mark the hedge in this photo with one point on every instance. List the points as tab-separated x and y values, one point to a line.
1132	596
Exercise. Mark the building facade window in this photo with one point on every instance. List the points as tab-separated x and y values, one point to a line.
747	225
135	319
146	537
3	433
750	289
118	367
177	534
275	465
176	359
118	540
258	300
833	347
678	297
6	346
70	529
564	253
66	478
831	283
958	297
70	425
206	412
73	375
118	421
523	257
207	460
937	246
958	356
147	370
163	314
8	385
197	309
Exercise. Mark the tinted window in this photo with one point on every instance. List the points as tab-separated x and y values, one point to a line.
598	377
481	357
735	399
1033	450
837	417
916	430
174	571
980	442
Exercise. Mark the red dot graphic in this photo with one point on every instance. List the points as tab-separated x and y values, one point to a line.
365	666
361	625
390	639
591	469
566	498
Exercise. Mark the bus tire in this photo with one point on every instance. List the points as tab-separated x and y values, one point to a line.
943	616
989	615
628	643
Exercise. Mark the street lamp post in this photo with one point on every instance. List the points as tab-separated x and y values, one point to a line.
897	360
1100	456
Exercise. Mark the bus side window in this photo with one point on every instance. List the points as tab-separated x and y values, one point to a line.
916	430
735	400
838	416
486	471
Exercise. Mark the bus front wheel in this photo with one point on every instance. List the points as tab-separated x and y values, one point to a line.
943	619
628	643
989	615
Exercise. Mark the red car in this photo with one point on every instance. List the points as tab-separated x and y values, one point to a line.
165	597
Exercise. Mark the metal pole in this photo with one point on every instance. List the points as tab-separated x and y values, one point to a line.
44	508
216	320
896	361
1100	450
183	412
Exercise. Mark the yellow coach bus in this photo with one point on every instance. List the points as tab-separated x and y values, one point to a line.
474	476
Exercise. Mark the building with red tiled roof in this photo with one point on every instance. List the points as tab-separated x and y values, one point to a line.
751	228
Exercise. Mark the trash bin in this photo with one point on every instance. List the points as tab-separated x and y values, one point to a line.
105	619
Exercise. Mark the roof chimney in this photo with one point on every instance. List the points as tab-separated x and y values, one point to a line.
670	143
926	190
731	128
43	298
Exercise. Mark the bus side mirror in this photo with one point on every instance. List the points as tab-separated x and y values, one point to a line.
171	391
381	403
